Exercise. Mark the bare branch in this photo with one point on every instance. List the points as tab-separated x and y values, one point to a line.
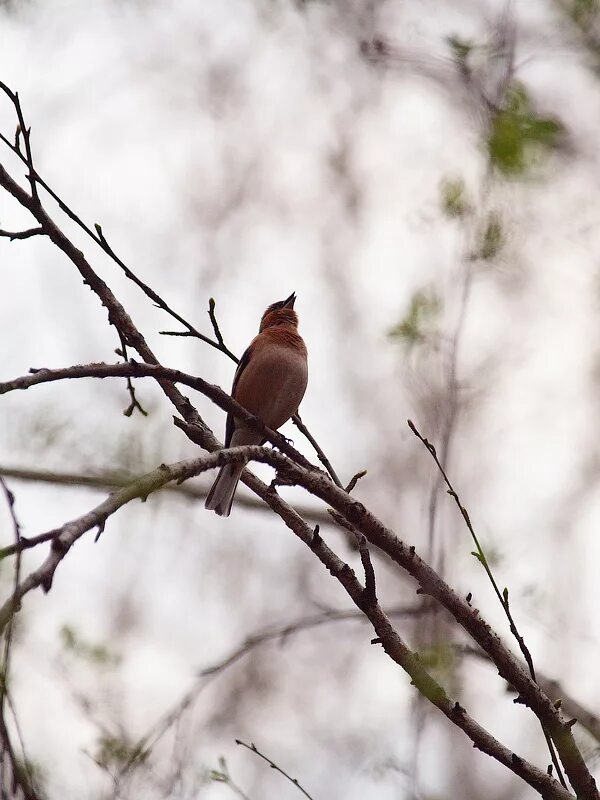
503	598
116	480
10	501
318	484
354	480
263	636
253	749
32	203
26	133
217	331
134	403
12	235
148	291
320	454
555	691
134	369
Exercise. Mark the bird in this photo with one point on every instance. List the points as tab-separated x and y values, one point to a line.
270	382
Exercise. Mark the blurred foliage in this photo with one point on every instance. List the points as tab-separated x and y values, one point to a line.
97	654
439	658
584	11
220	775
419	324
519	135
461	50
117	751
492	239
454	202
460	47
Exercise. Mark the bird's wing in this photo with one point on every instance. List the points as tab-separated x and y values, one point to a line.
243	363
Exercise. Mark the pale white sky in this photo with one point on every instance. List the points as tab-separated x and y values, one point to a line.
205	138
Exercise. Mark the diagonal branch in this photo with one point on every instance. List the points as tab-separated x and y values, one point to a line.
99	238
366	523
393	645
116	480
503	598
253	749
133	369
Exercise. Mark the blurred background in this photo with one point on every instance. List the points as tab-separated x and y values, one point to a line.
425	177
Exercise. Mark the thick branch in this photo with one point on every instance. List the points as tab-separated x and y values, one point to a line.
116	313
365	522
468	617
68	534
135	370
117	480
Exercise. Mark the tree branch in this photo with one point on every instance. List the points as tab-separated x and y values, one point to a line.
503	598
366	523
392	643
253	749
116	480
12	235
133	369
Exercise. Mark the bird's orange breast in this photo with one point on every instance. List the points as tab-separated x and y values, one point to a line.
273	384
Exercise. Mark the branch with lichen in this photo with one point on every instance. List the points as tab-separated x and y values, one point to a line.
363	596
296	470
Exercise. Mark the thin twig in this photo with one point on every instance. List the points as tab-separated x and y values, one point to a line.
10	501
502	597
320	454
26	133
134	403
100	239
217	331
261	637
321	486
253	749
354	480
5	697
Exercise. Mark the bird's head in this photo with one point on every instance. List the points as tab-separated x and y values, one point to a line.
280	313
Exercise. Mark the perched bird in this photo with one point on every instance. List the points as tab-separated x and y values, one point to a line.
270	382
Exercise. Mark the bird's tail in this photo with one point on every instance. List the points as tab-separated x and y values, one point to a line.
220	497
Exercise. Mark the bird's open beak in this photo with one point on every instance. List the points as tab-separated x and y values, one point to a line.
289	303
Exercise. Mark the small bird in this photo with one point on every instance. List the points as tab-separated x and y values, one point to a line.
270	382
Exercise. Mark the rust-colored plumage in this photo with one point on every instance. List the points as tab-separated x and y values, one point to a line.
270	382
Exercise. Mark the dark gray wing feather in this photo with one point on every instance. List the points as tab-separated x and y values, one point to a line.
243	363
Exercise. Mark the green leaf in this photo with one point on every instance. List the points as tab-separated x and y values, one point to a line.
419	323
454	203
97	654
439	656
115	751
461	51
493	238
68	637
519	135
584	11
